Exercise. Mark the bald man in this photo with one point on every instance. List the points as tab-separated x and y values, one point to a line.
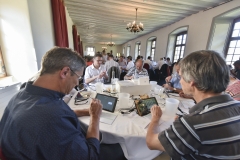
136	71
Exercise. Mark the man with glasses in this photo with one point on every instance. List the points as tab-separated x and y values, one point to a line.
96	72
38	124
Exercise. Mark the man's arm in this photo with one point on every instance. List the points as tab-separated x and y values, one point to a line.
89	80
152	140
95	111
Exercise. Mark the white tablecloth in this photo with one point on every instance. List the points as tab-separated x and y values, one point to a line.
126	132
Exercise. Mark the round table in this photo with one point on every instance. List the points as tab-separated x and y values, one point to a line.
129	130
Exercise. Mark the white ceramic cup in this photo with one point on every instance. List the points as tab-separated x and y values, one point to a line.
123	99
171	106
99	87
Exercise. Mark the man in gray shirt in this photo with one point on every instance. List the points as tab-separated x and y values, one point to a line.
211	130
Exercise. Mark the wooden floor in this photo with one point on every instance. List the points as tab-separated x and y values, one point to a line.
163	156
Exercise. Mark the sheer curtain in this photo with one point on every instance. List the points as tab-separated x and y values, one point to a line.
60	24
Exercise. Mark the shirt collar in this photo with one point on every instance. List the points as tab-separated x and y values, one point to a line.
212	100
92	67
43	91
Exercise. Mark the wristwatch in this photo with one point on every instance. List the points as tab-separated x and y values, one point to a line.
174	89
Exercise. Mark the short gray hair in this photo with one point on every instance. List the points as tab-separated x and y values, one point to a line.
57	58
207	69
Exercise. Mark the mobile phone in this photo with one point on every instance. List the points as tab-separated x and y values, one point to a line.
79	97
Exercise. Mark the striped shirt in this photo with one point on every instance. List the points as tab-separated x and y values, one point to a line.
136	73
211	130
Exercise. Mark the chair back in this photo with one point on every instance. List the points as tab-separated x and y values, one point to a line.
164	71
116	71
1	155
146	66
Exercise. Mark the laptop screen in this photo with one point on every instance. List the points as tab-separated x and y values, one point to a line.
108	102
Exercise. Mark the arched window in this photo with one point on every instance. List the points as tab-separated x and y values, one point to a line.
123	50
137	49
179	46
151	47
128	50
233	49
177	43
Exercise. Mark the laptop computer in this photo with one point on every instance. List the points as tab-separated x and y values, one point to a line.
109	105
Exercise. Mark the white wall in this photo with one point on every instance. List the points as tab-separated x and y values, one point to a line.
42	27
98	47
16	39
69	26
198	31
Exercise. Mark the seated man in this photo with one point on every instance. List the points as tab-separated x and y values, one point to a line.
110	63
173	82
149	62
211	129
38	124
137	71
129	65
96	72
122	62
236	72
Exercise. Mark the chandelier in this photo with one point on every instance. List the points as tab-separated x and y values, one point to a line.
134	27
110	44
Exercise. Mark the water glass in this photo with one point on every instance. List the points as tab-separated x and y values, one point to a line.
171	106
99	87
123	99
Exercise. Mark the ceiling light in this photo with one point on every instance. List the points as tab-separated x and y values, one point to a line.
134	27
110	44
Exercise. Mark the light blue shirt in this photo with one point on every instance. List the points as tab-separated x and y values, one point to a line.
175	81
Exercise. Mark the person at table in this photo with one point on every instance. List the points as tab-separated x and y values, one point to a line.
122	62
130	64
136	71
96	72
168	62
211	129
159	64
38	124
111	63
173	82
236	71
149	62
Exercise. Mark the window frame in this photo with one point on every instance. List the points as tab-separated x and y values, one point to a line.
179	45
230	38
138	46
90	51
128	53
151	54
3	68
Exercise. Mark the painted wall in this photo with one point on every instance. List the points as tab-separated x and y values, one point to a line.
16	40
98	47
69	26
198	32
42	27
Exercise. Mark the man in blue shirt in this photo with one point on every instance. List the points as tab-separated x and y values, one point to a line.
38	124
173	82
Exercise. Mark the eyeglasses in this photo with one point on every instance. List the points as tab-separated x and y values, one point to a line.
79	77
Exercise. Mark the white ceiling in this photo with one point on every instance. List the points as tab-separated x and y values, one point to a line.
96	20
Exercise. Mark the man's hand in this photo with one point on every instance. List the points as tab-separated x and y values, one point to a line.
168	79
102	74
168	86
156	113
95	109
